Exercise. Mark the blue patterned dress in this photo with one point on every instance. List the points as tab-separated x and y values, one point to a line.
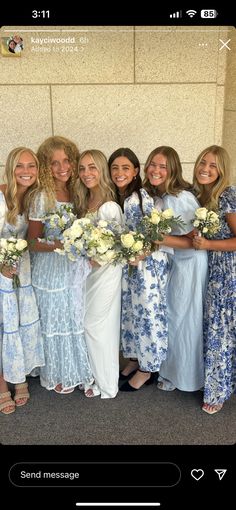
220	313
59	286
144	332
21	342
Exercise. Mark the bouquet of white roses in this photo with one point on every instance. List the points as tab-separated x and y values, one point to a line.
158	223
97	240
131	246
206	222
11	250
56	222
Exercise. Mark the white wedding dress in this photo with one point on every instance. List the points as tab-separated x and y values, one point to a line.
102	316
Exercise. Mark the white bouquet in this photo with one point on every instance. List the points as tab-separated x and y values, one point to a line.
56	222
97	240
206	222
11	250
158	223
131	246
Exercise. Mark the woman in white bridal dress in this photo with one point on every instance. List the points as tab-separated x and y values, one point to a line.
96	199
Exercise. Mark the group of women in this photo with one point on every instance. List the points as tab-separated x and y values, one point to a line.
173	315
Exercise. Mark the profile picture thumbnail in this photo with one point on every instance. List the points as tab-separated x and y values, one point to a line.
12	46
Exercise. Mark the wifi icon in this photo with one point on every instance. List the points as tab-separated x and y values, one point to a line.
191	13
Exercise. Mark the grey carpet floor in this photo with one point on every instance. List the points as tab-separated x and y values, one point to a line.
146	417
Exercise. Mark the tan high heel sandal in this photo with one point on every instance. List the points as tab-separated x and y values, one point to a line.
21	397
8	403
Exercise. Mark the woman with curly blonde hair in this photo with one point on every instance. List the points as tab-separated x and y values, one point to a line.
58	282
21	342
96	197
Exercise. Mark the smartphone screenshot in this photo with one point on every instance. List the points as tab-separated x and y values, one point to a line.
106	81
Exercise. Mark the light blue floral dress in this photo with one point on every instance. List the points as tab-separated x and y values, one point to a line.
220	313
21	342
144	332
59	286
184	365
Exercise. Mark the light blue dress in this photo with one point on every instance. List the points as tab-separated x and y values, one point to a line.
184	366
220	313
59	286
144	332
21	342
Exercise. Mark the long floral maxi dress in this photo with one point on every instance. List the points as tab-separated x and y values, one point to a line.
220	313
144	332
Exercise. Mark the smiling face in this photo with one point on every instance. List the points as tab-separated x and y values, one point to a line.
157	172
26	170
123	172
89	173
61	166
206	171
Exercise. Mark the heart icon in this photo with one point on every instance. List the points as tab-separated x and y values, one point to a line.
197	474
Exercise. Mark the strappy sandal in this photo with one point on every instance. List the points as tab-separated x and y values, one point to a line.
63	391
91	390
8	403
21	397
212	409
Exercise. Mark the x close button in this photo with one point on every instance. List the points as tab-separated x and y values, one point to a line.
225	44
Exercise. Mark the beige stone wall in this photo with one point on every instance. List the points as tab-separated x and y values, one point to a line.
229	126
106	87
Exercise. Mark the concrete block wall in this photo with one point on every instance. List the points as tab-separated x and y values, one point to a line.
106	87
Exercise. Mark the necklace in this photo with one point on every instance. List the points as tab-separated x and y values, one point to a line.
94	208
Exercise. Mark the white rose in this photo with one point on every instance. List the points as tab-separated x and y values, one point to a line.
102	223
127	240
204	230
196	223
201	213
21	244
137	246
3	243
167	214
11	247
213	216
108	256
155	217
102	248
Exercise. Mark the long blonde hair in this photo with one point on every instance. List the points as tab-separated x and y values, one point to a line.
13	204
209	196
106	185
175	182
45	154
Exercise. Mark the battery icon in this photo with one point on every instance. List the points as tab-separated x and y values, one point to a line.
209	13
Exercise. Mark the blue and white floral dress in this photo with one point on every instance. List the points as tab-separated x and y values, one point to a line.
21	342
144	331
220	313
59	286
184	365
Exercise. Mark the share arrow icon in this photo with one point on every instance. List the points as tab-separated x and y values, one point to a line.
220	473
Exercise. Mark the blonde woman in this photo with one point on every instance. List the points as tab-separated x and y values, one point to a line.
58	282
212	184
21	343
96	198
